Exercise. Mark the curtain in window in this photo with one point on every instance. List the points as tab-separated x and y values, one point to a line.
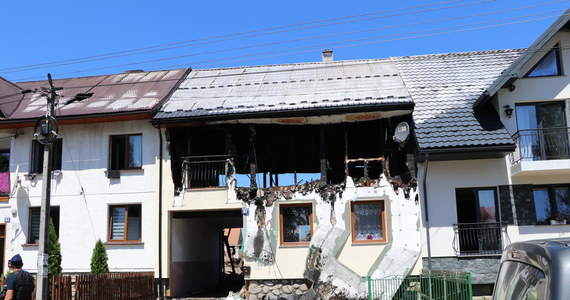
528	136
368	221
118	223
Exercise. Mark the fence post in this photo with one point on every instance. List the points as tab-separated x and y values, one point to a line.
369	287
469	285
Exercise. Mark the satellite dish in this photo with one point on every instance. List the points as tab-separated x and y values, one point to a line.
402	132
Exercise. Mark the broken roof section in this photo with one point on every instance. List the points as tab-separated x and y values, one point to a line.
444	88
10	96
287	90
116	94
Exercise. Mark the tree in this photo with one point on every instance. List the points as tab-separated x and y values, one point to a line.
99	259
54	259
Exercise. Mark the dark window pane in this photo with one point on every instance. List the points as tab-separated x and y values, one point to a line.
562	197
37	162
126	152
368	221
296	223
34	232
134	223
5	161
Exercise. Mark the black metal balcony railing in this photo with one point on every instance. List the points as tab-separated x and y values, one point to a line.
206	171
480	238
541	144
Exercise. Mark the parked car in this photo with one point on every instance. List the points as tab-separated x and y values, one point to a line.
534	270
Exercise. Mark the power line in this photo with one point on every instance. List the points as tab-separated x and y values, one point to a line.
314	46
16	69
240	33
319	46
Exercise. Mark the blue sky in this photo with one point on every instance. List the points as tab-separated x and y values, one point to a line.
38	32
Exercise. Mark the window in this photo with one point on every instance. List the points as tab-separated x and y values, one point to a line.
368	221
37	161
126	152
125	223
476	205
542	132
296	223
517	280
551	200
4	174
34	226
549	65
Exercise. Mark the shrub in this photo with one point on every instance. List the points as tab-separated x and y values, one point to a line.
99	259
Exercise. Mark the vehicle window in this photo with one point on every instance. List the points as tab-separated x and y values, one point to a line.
520	281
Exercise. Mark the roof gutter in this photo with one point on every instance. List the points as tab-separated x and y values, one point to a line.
287	113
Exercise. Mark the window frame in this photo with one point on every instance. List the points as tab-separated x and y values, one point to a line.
383	222
550	188
282	227
125	224
124	166
559	69
56	221
37	159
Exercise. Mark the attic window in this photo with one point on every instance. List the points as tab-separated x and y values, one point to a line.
549	65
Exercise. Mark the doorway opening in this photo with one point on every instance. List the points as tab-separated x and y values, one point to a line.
205	258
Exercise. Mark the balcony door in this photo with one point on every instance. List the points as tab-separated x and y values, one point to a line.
542	131
478	231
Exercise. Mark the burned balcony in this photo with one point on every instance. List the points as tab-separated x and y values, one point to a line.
207	171
480	239
271	155
541	144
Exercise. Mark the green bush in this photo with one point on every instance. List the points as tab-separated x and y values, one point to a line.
99	259
54	248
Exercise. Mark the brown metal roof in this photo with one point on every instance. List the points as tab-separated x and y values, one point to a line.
10	96
123	93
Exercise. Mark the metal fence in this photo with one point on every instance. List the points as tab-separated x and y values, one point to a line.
432	286
206	171
488	238
541	144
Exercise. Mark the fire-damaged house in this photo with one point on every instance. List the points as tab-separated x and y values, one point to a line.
312	164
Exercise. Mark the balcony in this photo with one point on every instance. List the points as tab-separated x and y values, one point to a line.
480	239
541	144
540	151
206	171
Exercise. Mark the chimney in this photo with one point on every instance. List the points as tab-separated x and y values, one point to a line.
328	55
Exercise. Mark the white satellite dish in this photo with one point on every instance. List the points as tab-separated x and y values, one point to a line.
402	132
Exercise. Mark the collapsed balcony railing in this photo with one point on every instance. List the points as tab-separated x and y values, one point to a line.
541	144
488	238
206	171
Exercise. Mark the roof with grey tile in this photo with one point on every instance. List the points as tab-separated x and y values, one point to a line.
444	88
112	94
275	89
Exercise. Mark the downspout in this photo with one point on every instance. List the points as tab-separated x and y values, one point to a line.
161	285
424	187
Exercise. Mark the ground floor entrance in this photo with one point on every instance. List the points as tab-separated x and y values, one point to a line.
204	259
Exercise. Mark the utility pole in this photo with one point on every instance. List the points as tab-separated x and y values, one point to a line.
45	132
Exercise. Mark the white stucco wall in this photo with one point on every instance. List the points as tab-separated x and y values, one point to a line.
443	178
84	194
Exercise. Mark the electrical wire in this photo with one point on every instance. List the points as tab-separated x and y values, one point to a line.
321	45
306	47
242	33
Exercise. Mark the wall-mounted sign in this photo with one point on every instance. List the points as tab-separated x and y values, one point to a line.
7	220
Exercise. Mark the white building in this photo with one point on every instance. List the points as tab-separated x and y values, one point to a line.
105	178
